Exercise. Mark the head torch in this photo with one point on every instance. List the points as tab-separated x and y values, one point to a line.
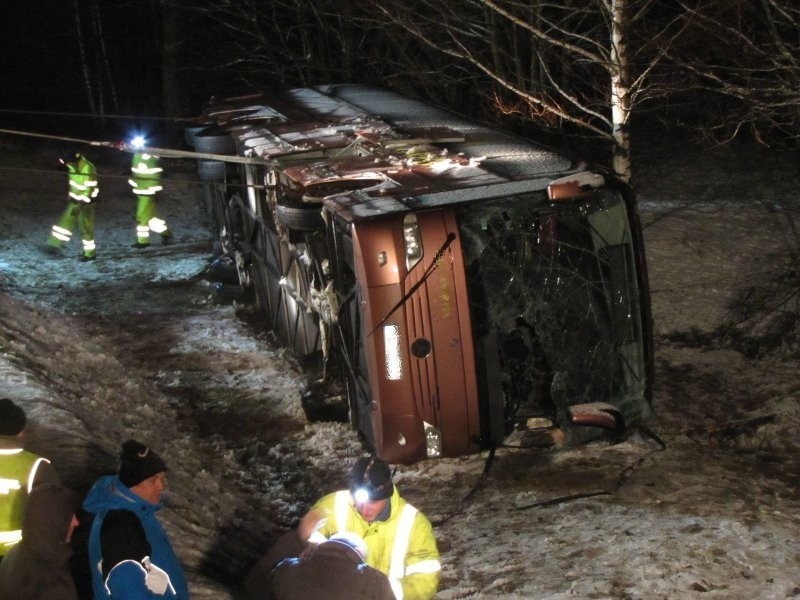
361	495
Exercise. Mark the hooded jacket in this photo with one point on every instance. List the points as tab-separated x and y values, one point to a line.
37	568
130	555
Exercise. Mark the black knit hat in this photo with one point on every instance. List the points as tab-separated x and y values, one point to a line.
137	462
12	418
373	475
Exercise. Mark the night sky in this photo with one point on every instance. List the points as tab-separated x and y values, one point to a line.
54	79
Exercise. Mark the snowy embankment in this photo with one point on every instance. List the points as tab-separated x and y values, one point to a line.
133	345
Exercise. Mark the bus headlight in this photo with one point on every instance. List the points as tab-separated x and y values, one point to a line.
433	440
413	241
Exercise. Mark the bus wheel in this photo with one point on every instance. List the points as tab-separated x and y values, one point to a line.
300	217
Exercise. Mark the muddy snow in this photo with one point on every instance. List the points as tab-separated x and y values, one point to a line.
137	345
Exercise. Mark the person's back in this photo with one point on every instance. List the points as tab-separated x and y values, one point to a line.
37	568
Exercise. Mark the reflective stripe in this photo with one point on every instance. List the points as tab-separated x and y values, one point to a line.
89	245
35	468
80	197
145	170
135	562
424	566
397	588
157	225
9	538
10	451
397	566
59	231
341	509
7	485
143	189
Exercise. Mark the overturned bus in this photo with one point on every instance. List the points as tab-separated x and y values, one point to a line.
455	286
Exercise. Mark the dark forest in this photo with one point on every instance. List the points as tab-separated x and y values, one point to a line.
596	77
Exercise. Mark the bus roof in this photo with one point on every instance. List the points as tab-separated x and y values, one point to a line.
394	153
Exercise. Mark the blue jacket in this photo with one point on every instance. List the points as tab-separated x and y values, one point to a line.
117	550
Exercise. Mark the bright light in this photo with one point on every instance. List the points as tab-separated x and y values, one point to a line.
361	495
392	355
413	241
433	440
137	141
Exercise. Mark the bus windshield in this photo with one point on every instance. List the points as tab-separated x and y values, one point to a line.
555	304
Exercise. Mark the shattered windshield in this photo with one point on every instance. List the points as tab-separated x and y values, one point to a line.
555	303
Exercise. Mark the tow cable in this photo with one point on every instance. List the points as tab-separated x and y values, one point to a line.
162	152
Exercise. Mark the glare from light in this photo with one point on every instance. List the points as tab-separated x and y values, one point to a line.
433	440
361	496
137	141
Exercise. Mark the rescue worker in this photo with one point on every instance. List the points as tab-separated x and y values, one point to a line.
145	181
20	472
38	567
83	191
130	555
399	538
309	576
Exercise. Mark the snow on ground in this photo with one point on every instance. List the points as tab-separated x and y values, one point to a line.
135	345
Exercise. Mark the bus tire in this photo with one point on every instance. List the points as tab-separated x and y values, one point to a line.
299	217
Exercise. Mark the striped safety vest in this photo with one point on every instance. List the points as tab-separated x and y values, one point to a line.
82	180
18	469
400	528
145	175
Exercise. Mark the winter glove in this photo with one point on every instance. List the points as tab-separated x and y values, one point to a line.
156	580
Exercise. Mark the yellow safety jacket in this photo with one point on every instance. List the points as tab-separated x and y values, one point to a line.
18	469
145	174
403	547
82	180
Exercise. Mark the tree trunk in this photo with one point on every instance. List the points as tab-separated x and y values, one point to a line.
620	91
87	77
170	70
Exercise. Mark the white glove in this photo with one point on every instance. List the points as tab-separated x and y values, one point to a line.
156	580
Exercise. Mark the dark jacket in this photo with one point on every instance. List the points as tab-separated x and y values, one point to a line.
331	571
125	530
37	568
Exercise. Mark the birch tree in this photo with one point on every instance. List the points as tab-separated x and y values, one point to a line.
565	64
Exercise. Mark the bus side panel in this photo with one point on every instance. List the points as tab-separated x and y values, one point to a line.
397	429
439	386
442	317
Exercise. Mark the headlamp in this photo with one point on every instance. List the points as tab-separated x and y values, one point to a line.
137	141
361	495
